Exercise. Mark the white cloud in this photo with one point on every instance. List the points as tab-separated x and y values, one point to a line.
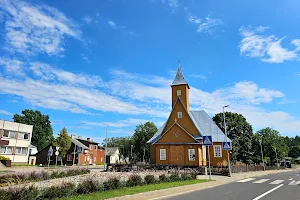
119	124
255	43
198	76
48	73
32	29
208	25
112	24
4	112
171	3
14	67
85	58
87	19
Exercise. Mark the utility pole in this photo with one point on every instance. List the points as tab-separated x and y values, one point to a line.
144	156
276	158
105	163
261	150
131	153
229	167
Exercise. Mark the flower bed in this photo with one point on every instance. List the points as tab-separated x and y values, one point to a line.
20	178
89	185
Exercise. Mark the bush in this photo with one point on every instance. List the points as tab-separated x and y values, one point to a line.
21	193
134	180
88	186
174	177
186	176
111	184
4	158
64	190
163	178
150	179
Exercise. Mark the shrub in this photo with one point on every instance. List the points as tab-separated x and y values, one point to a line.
64	190
21	193
150	179
163	178
174	177
111	184
88	186
134	180
4	158
186	176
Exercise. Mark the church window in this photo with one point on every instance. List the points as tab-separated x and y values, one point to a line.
179	115
162	155
178	92
192	155
217	151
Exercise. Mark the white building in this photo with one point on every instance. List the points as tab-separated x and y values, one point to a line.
19	138
112	155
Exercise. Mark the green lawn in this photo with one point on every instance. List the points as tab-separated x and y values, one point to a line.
132	190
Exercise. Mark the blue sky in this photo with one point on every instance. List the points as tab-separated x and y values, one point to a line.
112	62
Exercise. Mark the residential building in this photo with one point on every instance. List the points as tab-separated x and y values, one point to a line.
112	155
87	152
179	140
15	141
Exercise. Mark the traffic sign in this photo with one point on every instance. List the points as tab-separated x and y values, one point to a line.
56	153
50	151
79	150
226	146
207	140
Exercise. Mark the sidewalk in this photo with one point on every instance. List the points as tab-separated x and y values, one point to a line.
218	180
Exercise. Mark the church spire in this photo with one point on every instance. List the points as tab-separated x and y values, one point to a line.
179	79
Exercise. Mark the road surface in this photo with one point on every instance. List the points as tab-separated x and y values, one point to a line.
281	186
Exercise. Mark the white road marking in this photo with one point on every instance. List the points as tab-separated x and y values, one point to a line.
261	181
268	192
246	180
276	182
292	183
290	179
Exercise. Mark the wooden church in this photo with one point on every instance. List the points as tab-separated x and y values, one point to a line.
179	140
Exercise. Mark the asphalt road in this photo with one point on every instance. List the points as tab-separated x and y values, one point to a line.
281	186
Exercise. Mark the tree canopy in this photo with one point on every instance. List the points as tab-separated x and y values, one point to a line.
142	134
239	131
42	133
123	143
63	141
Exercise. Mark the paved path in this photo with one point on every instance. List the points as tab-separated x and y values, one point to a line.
222	187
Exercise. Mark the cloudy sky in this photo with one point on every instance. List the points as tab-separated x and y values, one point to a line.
94	63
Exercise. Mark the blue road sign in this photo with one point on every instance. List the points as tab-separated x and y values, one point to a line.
50	151
207	140
226	146
79	150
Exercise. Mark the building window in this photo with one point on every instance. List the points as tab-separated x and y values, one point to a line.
217	151
192	155
5	150
179	115
23	136
95	147
101	159
84	158
9	134
95	159
178	92
69	157
91	147
162	155
21	150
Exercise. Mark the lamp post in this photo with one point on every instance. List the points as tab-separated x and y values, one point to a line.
131	153
276	158
261	150
105	163
229	167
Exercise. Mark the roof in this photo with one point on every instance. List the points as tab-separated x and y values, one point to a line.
111	151
90	141
79	144
298	158
32	146
179	79
204	124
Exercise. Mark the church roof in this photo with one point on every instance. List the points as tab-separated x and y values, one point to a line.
179	79
204	124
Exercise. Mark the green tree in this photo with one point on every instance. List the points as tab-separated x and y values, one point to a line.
123	143
142	134
63	141
239	131
295	151
42	133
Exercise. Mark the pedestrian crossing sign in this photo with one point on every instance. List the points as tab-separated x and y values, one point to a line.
226	146
207	140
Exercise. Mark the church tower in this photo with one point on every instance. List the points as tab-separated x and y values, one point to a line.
180	88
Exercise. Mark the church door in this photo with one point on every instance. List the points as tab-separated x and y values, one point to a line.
177	155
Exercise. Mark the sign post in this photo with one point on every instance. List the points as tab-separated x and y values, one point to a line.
207	141
79	151
56	154
50	154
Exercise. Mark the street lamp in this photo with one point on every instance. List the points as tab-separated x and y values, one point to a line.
229	168
261	150
276	158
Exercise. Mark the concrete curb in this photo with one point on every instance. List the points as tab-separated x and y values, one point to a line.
218	180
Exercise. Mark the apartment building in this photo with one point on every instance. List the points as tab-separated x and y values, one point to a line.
15	141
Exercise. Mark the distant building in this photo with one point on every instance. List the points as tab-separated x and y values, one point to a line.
15	139
90	153
112	155
179	140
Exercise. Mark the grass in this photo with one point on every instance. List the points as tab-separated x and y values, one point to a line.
133	190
